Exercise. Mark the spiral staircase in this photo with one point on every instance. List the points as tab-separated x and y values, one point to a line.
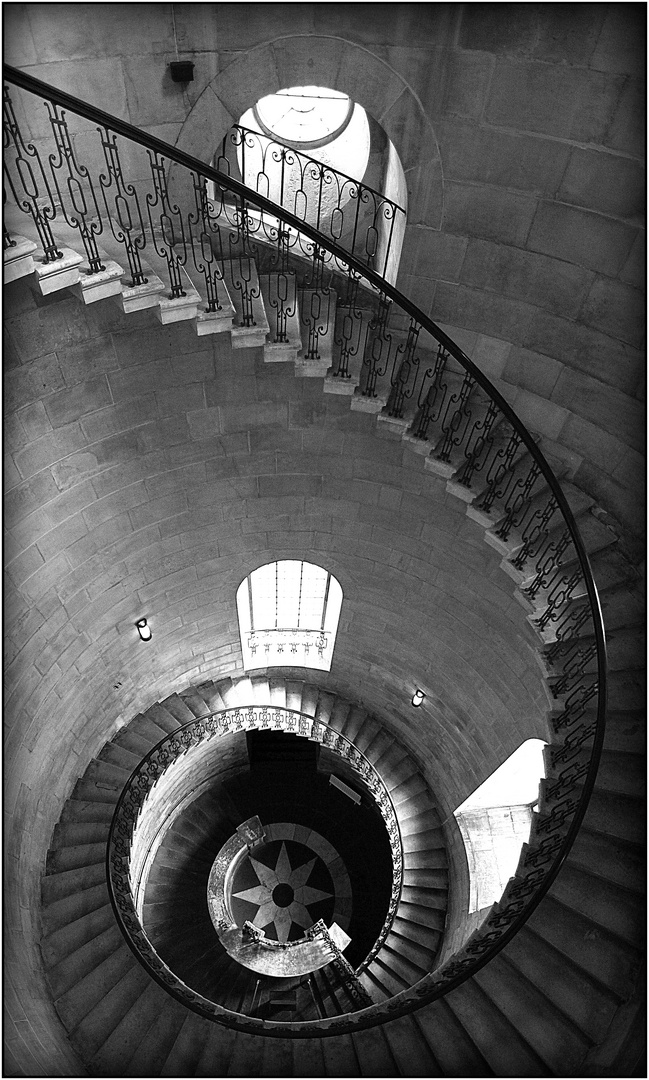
556	997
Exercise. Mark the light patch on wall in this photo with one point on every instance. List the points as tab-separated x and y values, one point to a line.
495	822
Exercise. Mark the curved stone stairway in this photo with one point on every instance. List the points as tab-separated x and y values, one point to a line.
535	1010
548	999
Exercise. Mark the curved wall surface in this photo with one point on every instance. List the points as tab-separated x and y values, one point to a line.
149	470
521	135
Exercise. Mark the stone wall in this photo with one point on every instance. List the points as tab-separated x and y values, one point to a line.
521	133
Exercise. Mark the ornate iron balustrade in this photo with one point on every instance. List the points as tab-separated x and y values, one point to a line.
456	409
361	219
124	883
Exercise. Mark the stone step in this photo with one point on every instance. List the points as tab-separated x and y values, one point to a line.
373	987
212	696
619	863
196	702
433	859
73	858
216	1051
455	1052
55	887
65	975
209	322
426	877
559	1044
89	990
279	293
382	972
422	840
373	1052
150	728
103	794
616	815
603	957
242	283
356	717
17	258
424	915
72	833
603	902
188	1045
623	773
118	755
154	1045
277	691
308	1057
136	744
400	964
179	710
428	936
69	908
419	955
309	700
105	774
496	1039
94	1029
588	1005
71	936
425	897
317	330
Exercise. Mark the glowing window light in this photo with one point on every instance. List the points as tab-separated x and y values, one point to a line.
288	615
496	819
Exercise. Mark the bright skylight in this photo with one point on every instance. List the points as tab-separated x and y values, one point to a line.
288	615
304	113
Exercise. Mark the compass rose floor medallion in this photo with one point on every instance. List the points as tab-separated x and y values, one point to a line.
289	881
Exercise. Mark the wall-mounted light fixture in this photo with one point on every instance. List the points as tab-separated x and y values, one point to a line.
417	698
182	71
144	630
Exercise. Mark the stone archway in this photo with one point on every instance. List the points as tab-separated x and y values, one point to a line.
344	66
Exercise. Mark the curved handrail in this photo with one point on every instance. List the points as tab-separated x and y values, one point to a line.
274	140
506	922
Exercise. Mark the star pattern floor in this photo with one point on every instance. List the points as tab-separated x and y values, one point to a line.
283	897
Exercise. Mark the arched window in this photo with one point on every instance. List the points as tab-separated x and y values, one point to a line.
288	615
317	153
495	822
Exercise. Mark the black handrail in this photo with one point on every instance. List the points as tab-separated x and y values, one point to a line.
387	292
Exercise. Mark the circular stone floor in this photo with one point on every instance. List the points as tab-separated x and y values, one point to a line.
291	880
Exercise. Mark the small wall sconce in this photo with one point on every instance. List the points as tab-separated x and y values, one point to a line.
144	630
182	71
417	698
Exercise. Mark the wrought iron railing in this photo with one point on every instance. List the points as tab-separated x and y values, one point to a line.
364	221
418	378
124	883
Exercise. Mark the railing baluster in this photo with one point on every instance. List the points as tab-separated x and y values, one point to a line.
163	234
477	450
25	190
453	435
71	196
517	501
206	261
129	229
378	346
534	533
499	471
432	395
404	372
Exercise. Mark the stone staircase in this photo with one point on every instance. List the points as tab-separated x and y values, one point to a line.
558	990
